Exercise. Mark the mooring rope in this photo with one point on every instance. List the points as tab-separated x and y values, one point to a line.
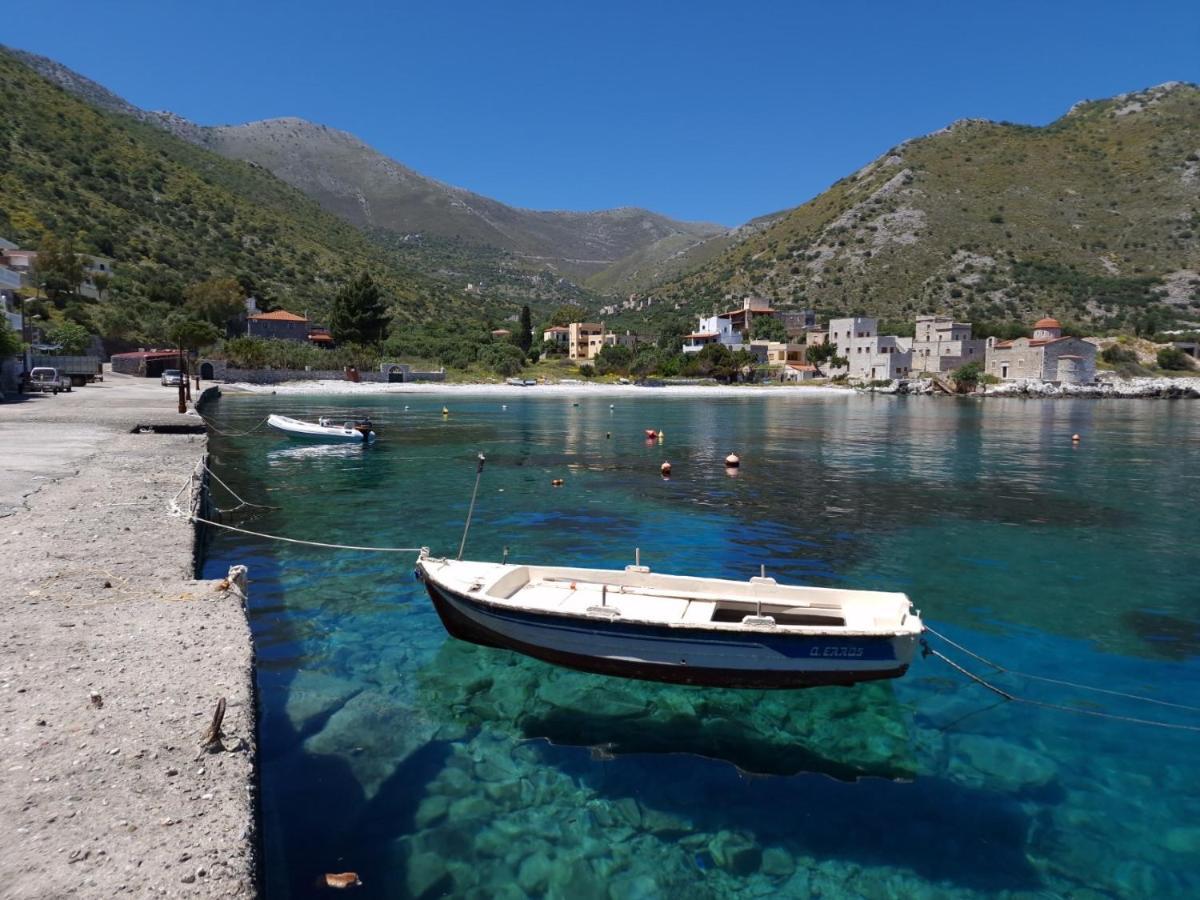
209	423
277	537
982	682
1058	681
233	493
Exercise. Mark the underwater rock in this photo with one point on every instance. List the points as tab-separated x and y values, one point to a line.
534	874
1183	839
735	853
432	809
1000	765
313	694
373	733
663	824
427	874
472	808
777	863
577	881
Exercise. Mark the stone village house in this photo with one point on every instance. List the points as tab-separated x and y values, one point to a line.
1049	356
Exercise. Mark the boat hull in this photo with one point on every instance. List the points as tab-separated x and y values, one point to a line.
675	655
306	431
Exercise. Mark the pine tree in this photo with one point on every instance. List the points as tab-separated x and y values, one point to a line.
525	334
359	314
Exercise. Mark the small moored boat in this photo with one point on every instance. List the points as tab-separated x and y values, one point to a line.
702	631
325	429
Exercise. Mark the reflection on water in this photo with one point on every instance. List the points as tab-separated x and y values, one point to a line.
435	768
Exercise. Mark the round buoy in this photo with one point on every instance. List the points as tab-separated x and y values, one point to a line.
607	435
504	406
665	468
661	435
1074	439
556	482
445	412
406	409
732	461
612	406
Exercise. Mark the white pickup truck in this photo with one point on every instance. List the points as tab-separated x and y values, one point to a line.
46	380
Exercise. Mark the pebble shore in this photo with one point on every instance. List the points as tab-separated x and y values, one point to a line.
113	659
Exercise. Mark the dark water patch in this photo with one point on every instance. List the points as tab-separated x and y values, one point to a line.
1171	637
980	835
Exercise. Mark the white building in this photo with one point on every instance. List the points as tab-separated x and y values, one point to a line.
870	355
716	329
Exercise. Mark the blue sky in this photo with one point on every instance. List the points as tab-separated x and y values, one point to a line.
713	111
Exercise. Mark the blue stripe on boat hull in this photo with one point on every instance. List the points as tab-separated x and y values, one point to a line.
779	662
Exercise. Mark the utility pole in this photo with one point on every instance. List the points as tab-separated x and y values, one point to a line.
182	382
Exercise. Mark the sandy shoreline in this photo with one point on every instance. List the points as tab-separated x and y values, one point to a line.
112	660
559	389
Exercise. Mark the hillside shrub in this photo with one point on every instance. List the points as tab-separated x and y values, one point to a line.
1117	354
1173	359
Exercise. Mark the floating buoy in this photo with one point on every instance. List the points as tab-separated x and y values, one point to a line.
406	409
661	435
612	406
342	880
732	461
556	482
1074	439
732	471
574	404
504	406
651	433
607	435
665	468
445	412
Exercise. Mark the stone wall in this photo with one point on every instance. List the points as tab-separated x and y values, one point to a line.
222	371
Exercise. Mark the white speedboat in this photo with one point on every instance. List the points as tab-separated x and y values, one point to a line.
325	429
702	631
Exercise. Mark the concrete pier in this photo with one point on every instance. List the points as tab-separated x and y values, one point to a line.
113	660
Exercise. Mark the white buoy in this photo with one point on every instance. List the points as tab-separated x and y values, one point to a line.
504	406
732	461
665	469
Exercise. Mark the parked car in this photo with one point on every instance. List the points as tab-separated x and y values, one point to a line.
172	377
46	380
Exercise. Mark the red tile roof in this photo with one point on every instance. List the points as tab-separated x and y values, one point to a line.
562	328
280	315
1047	323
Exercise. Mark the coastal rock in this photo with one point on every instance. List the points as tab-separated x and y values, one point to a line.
427	874
1106	386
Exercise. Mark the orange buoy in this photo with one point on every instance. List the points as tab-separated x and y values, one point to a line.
651	433
732	461
665	468
557	482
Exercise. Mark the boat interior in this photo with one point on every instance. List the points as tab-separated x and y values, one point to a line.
636	594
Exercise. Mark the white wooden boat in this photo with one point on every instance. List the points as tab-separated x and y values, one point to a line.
324	429
702	631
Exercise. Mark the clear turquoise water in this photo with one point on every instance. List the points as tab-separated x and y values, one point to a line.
437	768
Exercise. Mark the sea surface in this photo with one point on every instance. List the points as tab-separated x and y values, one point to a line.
435	768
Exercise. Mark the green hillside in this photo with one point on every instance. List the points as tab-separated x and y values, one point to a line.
1095	217
170	213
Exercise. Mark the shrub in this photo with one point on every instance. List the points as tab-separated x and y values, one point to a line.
967	377
1173	359
1118	354
587	370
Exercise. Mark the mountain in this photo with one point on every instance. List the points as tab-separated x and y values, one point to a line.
170	213
1094	217
374	192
